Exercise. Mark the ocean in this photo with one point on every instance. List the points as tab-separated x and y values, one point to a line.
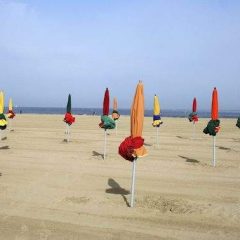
98	111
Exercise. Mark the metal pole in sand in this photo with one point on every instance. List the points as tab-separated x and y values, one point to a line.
116	130
10	124
157	137
214	151
133	181
68	133
105	143
194	130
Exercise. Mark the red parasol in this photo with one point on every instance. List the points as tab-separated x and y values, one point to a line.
214	112
194	105
106	103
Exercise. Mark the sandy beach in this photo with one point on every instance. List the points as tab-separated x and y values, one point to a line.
51	189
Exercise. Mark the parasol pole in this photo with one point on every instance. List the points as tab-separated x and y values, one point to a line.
105	143
133	181
194	129
9	124
157	137
116	127
10	120
214	151
67	132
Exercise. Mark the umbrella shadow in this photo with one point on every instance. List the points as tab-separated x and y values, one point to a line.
4	147
147	144
191	160
97	154
116	189
181	137
224	148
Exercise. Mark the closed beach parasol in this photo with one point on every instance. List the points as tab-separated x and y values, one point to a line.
106	121
193	117
68	118
3	121
115	113
10	114
238	122
214	124
132	147
156	117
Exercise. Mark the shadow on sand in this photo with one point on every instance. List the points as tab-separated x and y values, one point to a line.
4	147
224	148
191	160
147	144
116	189
181	137
97	154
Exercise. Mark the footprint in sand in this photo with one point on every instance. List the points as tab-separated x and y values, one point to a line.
165	205
77	200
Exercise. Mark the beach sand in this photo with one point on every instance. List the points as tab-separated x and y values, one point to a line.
51	189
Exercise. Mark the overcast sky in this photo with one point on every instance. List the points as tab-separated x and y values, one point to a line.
180	49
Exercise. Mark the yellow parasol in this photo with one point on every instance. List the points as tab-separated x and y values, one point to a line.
10	105
156	117
10	113
1	102
156	109
3	121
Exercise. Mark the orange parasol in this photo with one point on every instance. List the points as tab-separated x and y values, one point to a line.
132	147
137	117
115	113
115	104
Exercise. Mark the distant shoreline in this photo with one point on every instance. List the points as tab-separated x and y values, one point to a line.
98	111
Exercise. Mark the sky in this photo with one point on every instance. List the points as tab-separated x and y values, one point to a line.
179	49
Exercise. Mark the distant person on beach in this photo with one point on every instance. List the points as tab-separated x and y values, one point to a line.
94	113
20	111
